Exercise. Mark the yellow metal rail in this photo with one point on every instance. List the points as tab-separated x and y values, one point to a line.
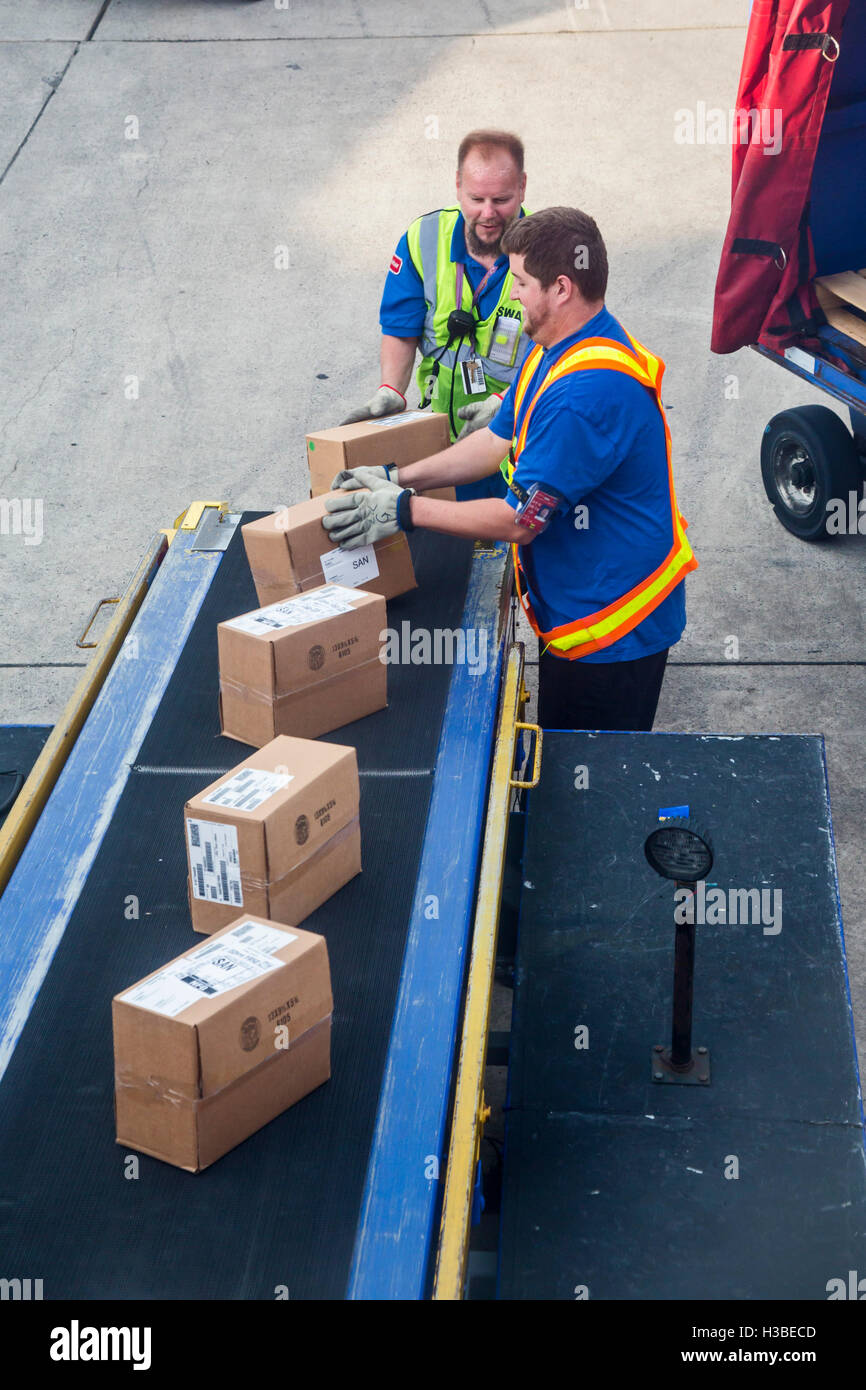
470	1108
28	805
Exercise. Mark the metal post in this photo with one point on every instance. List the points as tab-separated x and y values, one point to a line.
681	1062
684	978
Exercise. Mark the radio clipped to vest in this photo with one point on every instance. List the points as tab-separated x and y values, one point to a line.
454	318
461	325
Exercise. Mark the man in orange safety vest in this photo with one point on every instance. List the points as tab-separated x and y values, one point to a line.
600	546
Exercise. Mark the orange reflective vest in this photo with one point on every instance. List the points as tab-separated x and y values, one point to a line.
601	629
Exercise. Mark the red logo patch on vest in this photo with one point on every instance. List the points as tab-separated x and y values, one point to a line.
396	264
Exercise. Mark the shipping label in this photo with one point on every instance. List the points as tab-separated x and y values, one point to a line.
211	970
326	602
249	788
352	567
267	939
401	418
214	863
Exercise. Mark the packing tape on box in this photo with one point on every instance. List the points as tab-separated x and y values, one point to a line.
263	698
261	885
158	1090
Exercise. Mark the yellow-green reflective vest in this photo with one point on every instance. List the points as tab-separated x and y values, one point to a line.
429	240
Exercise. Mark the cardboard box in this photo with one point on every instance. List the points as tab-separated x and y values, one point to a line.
220	1041
290	551
303	666
276	836
398	439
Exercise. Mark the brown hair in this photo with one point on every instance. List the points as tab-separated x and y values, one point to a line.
486	141
560	241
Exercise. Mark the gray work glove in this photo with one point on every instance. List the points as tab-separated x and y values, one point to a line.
350	478
361	518
386	401
478	414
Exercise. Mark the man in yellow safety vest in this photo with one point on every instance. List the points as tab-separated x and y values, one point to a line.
599	542
448	293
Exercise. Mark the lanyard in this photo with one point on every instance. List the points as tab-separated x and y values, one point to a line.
461	271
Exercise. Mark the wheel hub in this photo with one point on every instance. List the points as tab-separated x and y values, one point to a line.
794	477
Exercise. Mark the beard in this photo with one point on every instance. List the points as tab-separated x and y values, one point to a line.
532	326
476	247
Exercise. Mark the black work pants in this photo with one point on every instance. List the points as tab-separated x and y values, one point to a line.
599	695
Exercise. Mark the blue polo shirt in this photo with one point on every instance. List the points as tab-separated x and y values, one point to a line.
404	306
597	437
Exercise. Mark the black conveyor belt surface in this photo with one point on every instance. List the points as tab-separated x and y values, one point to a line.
282	1208
619	1188
20	746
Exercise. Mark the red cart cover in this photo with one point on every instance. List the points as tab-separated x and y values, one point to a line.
763	291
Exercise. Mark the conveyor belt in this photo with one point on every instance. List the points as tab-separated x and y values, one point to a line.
20	746
282	1209
624	1188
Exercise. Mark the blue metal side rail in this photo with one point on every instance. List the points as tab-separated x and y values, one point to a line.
402	1194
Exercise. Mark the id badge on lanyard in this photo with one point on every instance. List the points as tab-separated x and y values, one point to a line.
474	382
472	372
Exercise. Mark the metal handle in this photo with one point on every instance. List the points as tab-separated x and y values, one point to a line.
90	621
17	784
536	765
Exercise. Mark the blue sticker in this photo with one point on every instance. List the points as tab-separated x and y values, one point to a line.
668	812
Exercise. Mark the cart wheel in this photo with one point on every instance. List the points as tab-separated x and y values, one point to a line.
808	456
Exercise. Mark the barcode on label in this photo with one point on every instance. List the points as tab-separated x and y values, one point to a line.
261	937
195	982
213	862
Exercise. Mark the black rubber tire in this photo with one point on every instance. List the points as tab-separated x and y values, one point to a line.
808	456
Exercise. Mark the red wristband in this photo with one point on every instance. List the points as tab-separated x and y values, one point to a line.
392	388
